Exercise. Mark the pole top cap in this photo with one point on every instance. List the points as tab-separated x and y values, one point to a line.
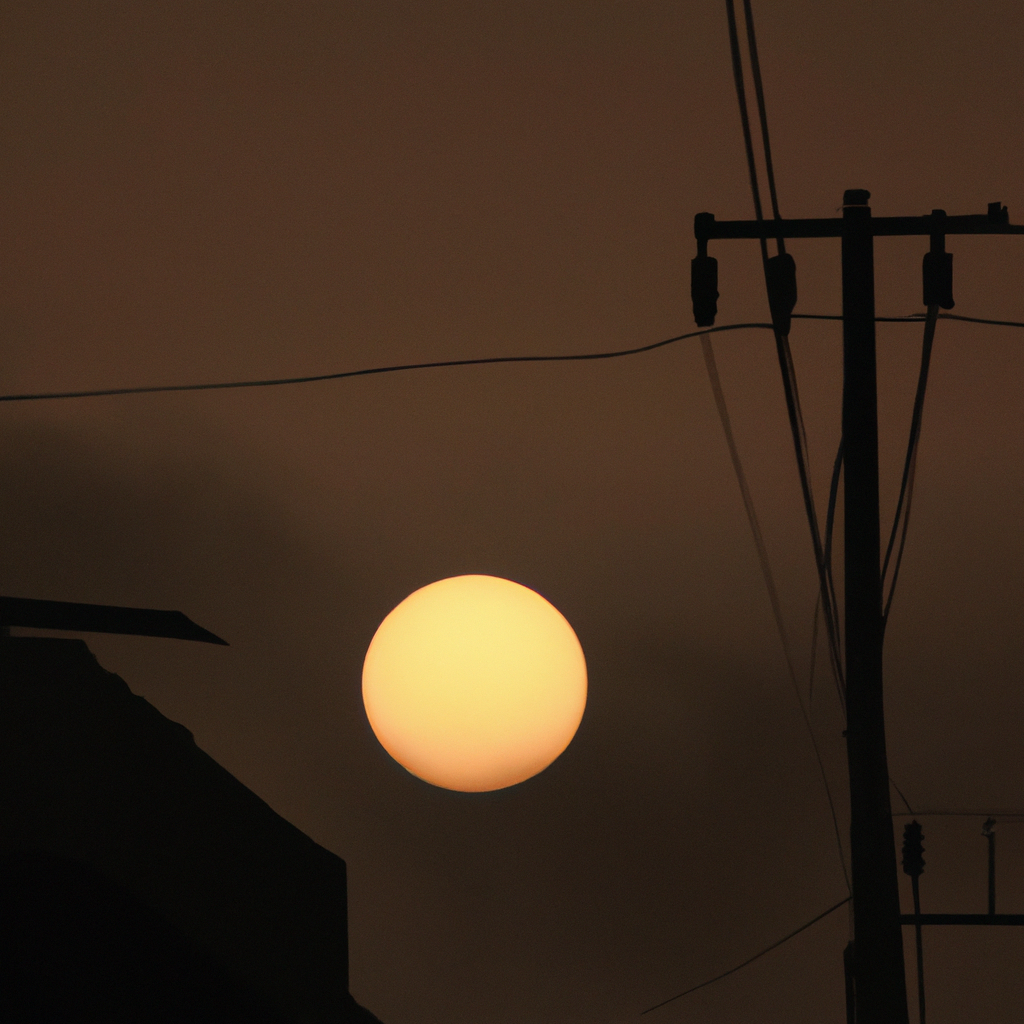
856	197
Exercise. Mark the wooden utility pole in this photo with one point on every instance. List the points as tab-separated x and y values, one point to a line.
881	993
879	982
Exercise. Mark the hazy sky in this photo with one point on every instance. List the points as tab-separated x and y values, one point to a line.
222	190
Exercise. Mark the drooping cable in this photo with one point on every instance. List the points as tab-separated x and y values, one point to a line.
373	370
756	956
830	522
781	341
978	320
799	435
914	318
815	619
901	519
755	74
769	577
899	792
741	96
1012	817
485	361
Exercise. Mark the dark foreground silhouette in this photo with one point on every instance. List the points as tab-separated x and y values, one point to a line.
139	880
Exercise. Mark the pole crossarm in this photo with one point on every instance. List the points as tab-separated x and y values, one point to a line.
996	222
875	963
1003	919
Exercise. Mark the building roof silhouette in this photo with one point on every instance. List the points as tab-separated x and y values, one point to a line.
159	848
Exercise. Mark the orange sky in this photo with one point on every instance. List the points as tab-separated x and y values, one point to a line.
204	191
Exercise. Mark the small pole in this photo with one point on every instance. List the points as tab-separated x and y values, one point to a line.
988	831
913	865
916	887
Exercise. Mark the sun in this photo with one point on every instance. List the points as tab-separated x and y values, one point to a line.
474	683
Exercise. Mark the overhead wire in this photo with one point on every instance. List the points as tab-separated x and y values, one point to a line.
901	518
827	600
741	96
439	364
914	318
756	956
755	71
789	383
1012	817
783	351
373	370
974	320
769	577
899	793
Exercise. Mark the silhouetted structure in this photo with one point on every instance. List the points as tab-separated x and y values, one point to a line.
139	880
100	618
75	947
874	961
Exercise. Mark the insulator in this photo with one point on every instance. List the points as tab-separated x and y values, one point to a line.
937	278
998	214
704	289
913	850
781	279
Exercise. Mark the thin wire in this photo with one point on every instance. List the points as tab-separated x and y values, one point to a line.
741	95
979	320
814	650
769	577
906	802
757	956
220	386
799	434
782	342
914	318
755	73
485	361
830	522
901	519
1001	815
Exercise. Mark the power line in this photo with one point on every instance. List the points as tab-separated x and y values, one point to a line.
439	364
755	70
371	371
769	578
830	521
910	464
489	360
914	318
970	320
1007	816
756	956
783	351
741	96
906	802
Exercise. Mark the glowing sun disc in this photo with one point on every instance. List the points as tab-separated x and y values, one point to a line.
474	683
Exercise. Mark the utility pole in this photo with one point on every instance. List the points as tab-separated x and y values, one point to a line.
879	982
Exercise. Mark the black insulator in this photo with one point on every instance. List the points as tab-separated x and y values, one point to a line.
913	850
781	278
998	214
937	278
704	289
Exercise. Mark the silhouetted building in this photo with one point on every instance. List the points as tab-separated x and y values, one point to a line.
139	880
